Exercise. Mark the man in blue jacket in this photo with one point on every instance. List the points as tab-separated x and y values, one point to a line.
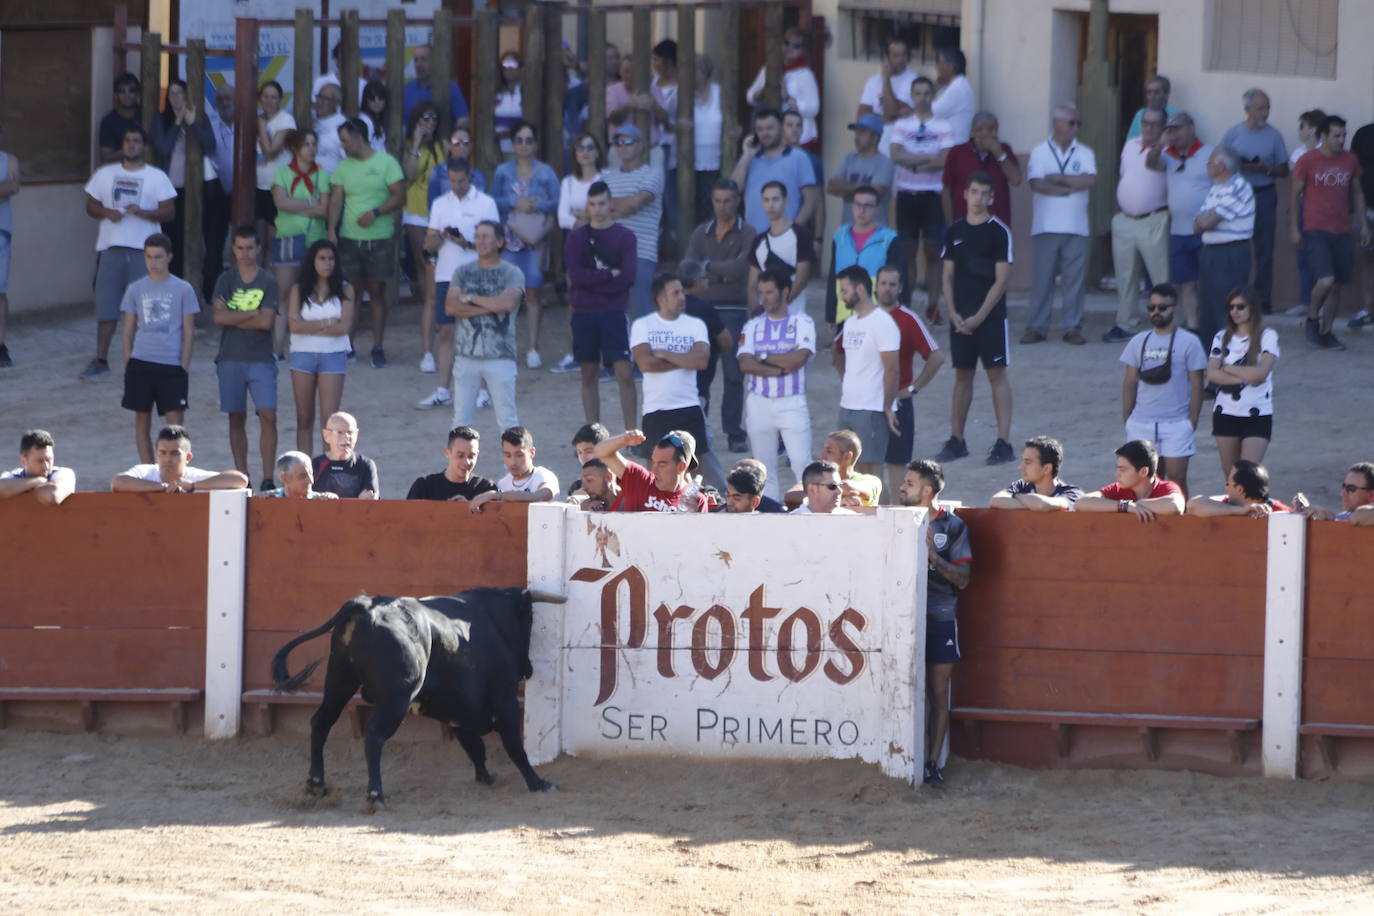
866	243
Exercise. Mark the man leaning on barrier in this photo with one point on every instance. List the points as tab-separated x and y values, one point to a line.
1247	493
37	474
297	478
172	471
1040	488
951	564
1138	488
1357	490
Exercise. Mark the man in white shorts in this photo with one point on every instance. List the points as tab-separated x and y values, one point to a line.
1162	393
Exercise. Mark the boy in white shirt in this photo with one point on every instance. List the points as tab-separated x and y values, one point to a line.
524	482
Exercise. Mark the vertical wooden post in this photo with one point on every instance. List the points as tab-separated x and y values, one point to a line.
441	70
772	80
596	74
462	38
484	97
245	120
302	73
643	49
121	35
1100	102
532	76
193	223
686	132
555	87
150	76
728	68
395	79
350	61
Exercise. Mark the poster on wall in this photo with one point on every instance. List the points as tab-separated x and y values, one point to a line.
728	637
214	21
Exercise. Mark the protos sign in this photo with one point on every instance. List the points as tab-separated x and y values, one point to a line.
728	636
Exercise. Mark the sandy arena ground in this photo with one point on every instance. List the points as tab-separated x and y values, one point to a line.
159	825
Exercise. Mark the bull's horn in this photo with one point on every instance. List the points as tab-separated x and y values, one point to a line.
547	597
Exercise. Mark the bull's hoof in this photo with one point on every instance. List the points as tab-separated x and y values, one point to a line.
486	779
375	804
543	785
315	788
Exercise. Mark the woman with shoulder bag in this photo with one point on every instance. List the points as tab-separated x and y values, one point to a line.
1241	365
526	191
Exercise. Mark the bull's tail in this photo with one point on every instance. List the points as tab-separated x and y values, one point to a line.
281	677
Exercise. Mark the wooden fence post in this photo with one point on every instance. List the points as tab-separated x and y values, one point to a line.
686	132
484	95
150	75
728	67
772	79
302	73
441	70
350	61
395	80
555	87
193	212
245	121
596	74
643	49
532	76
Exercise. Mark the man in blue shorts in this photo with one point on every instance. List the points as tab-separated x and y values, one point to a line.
951	563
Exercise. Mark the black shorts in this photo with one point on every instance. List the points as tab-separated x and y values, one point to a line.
264	208
988	343
921	213
1329	254
600	337
942	642
147	384
690	419
1223	424
900	446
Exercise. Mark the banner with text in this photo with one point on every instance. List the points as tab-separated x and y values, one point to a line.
728	636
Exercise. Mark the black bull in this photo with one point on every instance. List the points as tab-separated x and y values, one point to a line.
458	659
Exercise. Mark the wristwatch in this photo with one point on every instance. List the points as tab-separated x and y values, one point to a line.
1124	505
911	389
376	213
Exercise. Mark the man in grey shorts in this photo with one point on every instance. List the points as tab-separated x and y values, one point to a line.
867	363
130	199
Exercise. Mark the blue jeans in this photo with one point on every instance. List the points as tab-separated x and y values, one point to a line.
641	299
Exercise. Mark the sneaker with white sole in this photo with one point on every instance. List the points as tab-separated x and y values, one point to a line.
427	363
532	359
1297	311
1362	319
483	399
564	365
440	398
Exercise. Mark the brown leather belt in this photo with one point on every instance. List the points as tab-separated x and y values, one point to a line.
1145	215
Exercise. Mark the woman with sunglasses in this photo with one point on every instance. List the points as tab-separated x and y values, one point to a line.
422	154
587	164
510	106
273	123
373	113
319	311
1241	365
526	191
799	86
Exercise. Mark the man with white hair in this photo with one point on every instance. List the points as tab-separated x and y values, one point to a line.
293	470
1263	158
1227	223
1061	172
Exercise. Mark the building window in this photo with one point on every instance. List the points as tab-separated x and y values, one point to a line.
1279	37
929	27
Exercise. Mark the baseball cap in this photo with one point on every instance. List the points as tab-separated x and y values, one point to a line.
628	130
680	438
868	121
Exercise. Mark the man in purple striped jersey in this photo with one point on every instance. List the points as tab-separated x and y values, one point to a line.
773	352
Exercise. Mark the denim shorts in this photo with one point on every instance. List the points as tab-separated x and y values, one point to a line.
287	251
440	294
238	379
335	363
4	261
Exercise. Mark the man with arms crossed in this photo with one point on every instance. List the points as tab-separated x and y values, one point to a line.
1161	395
1138	488
951	563
977	262
1040	488
36	473
172	472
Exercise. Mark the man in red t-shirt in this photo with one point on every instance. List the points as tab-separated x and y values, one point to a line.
1247	493
1138	488
984	152
668	485
1326	186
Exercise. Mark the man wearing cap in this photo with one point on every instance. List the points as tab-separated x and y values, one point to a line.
984	152
1182	157
667	485
865	167
1140	232
637	204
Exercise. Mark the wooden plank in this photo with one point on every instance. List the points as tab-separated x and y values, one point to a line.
132	659
596	74
441	70
484	95
1338	623
772	79
302	73
108	695
686	133
532	74
193	225
1338	690
1337	730
395	83
350	61
150	76
1124	720
1110	682
642	29
554	90
730	90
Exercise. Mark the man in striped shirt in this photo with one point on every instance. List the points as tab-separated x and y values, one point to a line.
1227	223
773	352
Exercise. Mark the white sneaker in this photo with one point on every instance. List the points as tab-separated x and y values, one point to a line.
427	363
439	398
564	365
532	359
1297	311
483	399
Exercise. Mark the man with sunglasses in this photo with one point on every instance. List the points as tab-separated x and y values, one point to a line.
666	485
459	147
637	204
821	482
127	113
1182	157
1161	395
1357	492
1140	231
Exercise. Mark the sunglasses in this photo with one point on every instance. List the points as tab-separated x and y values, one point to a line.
588	148
428	116
1237	306
1159	308
459	141
1073	123
625	141
1351	488
523	140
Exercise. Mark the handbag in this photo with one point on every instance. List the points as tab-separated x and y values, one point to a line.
1158	375
530	228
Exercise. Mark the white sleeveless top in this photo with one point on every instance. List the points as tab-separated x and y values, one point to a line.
320	343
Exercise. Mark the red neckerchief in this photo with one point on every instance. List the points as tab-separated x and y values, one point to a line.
302	176
1197	145
799	64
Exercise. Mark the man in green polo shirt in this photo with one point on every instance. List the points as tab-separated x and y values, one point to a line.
368	188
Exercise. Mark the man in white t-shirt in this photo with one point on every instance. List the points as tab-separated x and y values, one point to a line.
37	474
328	151
919	142
886	93
821	483
867	363
130	199
524	482
453	219
671	347
172	472
1061	172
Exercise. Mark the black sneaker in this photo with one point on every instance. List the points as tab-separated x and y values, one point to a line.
1330	341
378	358
1312	332
933	776
5	361
1001	452
739	444
1116	335
954	448
267	485
96	368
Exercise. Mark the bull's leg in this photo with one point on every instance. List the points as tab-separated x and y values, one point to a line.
340	683
507	717
477	752
386	719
